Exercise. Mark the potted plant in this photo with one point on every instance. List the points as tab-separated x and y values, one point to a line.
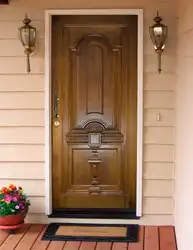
14	206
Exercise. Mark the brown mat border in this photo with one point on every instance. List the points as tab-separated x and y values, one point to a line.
50	233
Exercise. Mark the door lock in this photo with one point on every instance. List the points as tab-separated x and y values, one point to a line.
55	113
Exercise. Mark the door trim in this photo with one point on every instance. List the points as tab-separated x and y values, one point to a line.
48	134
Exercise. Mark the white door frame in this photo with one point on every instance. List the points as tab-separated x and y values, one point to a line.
48	118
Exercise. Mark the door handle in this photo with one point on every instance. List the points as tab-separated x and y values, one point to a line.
55	111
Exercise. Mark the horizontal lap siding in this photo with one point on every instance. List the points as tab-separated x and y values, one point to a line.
19	100
158	170
21	153
159	135
10	28
22	135
17	65
22	170
167	117
22	118
21	83
22	108
14	49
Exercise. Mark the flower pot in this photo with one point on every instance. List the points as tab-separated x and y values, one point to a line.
11	222
12	200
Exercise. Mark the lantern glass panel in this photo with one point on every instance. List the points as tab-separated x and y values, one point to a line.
158	35
28	35
158	31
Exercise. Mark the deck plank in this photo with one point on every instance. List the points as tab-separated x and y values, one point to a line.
41	244
13	239
138	245
72	245
3	236
87	246
167	238
151	239
103	246
56	245
120	246
30	237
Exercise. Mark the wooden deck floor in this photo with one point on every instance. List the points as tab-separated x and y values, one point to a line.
29	237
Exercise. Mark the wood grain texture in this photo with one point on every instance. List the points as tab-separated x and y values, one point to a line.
120	246
167	238
72	245
151	240
93	97
87	246
59	245
3	236
13	240
104	246
39	243
30	237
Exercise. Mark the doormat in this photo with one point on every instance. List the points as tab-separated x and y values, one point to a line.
91	232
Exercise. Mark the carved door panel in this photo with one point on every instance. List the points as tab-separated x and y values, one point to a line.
94	86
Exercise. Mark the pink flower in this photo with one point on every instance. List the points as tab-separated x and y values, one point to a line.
8	198
17	207
15	198
21	204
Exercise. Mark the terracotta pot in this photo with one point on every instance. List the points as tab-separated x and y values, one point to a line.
11	220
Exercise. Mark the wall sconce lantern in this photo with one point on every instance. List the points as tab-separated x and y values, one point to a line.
27	36
158	33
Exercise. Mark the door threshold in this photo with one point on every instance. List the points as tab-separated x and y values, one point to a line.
95	213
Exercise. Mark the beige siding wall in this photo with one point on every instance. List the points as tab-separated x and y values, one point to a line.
22	107
184	123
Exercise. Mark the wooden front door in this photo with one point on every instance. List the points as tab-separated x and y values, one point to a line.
94	108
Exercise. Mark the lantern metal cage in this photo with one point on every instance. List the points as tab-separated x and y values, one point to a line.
27	36
158	34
